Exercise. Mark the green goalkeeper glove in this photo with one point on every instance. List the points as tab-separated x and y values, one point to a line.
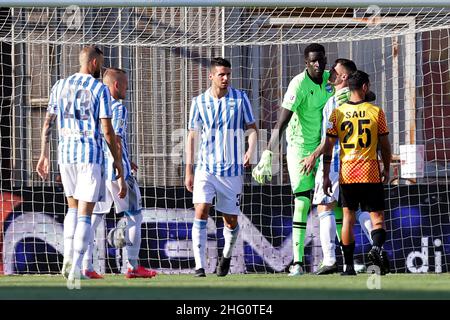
263	171
342	96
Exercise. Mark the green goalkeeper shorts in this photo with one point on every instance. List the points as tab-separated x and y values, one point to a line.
299	182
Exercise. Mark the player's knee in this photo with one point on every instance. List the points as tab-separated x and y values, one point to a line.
352	221
325	208
350	218
202	211
230	221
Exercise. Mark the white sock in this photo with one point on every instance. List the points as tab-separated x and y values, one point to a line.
365	222
230	236
88	255
70	223
80	242
199	243
133	238
327	225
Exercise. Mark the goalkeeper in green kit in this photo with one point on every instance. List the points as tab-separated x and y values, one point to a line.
301	113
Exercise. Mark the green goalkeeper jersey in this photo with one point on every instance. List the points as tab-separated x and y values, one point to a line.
306	100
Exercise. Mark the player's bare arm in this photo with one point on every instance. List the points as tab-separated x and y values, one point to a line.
327	155
121	180
189	179
252	141
277	132
110	138
386	156
43	166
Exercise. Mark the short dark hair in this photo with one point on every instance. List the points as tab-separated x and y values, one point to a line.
220	62
348	64
357	79
313	47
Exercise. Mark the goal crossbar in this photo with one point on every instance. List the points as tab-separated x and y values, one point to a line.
223	3
336	22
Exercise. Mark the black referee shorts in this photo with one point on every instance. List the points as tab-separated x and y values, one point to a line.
368	196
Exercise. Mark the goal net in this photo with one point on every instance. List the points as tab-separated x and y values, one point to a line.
165	51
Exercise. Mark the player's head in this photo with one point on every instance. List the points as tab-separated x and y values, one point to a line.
315	60
91	60
340	71
358	81
117	81
220	73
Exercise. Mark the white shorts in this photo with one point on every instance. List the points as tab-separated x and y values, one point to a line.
227	191
83	181
319	196
131	202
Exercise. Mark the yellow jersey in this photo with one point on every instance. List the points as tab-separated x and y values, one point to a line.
358	126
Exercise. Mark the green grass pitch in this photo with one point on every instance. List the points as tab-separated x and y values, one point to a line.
235	287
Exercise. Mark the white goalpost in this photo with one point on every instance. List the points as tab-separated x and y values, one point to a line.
165	46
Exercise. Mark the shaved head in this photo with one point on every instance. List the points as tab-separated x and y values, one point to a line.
113	74
117	82
88	54
91	59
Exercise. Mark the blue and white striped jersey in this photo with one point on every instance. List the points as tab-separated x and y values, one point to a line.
327	110
222	123
79	102
119	121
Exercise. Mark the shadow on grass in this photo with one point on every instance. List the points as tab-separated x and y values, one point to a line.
195	293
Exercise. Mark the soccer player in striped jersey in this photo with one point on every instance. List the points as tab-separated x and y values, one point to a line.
81	107
361	128
222	114
131	205
330	214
